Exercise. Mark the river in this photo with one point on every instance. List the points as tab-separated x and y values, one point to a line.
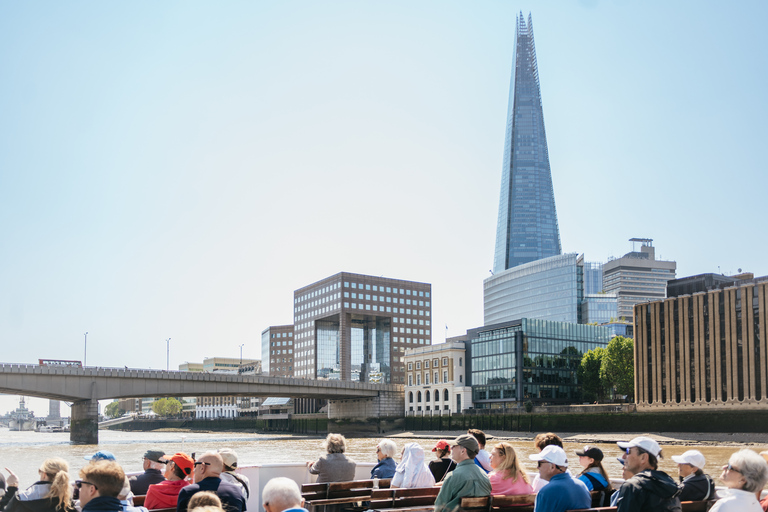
23	452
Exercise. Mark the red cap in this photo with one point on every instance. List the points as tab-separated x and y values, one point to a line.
441	445
184	461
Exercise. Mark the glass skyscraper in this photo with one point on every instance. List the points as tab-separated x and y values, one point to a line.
527	224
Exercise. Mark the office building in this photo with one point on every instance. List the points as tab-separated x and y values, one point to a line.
357	327
705	350
704	283
527	228
637	277
436	382
277	351
593	278
599	308
528	359
214	406
548	289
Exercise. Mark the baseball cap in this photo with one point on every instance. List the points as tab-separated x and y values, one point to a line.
155	455
100	455
467	441
645	443
693	457
441	445
553	454
229	456
184	461
592	452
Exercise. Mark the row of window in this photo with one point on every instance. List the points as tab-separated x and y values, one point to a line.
407	330
375	288
436	395
435	362
377	298
282	335
317	293
426	378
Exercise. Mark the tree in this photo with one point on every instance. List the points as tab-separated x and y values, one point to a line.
618	368
112	410
166	407
589	374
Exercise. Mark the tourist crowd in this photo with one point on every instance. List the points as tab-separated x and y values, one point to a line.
461	468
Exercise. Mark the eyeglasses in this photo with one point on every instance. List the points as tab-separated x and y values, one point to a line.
728	467
79	484
378	449
198	463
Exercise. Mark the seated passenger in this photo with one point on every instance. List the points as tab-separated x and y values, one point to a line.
154	465
412	470
282	494
745	474
51	493
483	458
508	476
540	442
467	480
204	500
207	470
444	464
335	466
562	492
166	494
385	453
229	474
594	475
100	484
695	485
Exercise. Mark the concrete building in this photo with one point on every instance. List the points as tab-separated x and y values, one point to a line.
705	350
215	406
357	327
637	276
436	383
528	359
548	289
277	351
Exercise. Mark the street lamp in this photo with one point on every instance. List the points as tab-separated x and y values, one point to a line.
85	349
241	354
167	354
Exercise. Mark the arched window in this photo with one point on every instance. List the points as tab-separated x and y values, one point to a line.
419	396
446	397
410	397
426	397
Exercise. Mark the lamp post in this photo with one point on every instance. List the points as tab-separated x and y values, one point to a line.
167	354
85	349
241	354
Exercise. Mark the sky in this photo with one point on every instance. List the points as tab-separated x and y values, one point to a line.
177	169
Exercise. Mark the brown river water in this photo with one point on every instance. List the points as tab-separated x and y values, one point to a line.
23	452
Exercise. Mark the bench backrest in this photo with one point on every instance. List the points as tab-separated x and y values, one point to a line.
687	506
401	498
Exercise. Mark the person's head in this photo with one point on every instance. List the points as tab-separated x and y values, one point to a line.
154	459
207	508
100	478
281	494
746	470
229	457
56	471
551	461
386	448
204	499
442	448
504	461
541	441
641	453
179	467
100	455
479	435
689	463
335	443
208	465
464	447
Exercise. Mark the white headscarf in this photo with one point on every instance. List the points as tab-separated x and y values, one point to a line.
412	470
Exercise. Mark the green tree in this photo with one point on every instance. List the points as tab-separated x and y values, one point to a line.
589	374
618	368
112	410
166	407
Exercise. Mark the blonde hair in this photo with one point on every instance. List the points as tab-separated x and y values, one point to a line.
509	467
57	471
335	443
204	499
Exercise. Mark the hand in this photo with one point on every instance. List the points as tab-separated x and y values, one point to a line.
12	480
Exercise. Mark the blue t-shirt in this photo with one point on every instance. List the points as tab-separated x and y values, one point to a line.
563	492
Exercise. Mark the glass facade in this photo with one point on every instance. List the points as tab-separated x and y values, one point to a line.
527	228
328	350
599	308
593	278
529	359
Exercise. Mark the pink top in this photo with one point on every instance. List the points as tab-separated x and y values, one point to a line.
509	487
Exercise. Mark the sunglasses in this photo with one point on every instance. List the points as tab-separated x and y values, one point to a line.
198	463
79	484
728	467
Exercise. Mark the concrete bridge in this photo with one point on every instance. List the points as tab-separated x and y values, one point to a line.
84	387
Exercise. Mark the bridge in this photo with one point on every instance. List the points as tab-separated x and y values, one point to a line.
84	387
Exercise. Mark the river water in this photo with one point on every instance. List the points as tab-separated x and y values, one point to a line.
23	452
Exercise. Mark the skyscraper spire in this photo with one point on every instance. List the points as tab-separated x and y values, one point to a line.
527	227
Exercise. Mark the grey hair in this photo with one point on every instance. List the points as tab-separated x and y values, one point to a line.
282	493
388	448
752	467
335	443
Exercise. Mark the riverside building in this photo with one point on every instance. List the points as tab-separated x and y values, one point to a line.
277	351
708	349
436	382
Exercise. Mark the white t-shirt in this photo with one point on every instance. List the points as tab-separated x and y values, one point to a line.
484	458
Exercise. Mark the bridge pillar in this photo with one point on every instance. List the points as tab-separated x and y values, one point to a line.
84	422
387	404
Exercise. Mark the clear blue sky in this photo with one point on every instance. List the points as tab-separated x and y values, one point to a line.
177	169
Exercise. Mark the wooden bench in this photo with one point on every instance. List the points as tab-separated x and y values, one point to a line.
686	506
499	503
138	501
416	497
339	493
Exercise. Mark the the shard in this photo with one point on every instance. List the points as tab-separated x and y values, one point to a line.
527	225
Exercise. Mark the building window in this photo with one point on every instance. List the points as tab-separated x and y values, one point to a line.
460	362
445	377
410	380
445	361
418	379
418	396
426	363
410	366
410	397
418	365
426	397
436	362
436	379
446	397
426	381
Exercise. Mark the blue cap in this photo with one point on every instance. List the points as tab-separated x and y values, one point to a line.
100	455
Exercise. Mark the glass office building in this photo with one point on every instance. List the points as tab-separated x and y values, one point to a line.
593	278
528	359
599	308
548	289
527	228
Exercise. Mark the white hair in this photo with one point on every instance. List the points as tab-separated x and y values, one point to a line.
388	448
752	467
282	493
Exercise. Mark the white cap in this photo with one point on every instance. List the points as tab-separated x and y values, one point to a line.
553	454
692	457
646	443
